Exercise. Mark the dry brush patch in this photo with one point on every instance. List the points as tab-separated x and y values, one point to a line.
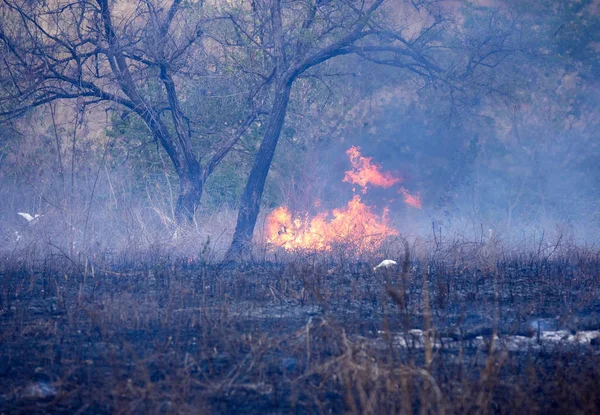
154	333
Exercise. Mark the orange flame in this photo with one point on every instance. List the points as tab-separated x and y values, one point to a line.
355	227
411	200
364	172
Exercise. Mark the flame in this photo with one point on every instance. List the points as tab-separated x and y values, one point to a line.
355	227
411	200
364	172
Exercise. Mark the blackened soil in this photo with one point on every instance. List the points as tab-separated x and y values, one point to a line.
159	335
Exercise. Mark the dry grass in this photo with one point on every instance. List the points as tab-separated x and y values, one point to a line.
151	332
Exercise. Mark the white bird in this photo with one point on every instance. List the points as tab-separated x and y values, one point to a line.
386	263
28	217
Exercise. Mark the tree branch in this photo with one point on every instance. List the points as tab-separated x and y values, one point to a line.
216	159
336	48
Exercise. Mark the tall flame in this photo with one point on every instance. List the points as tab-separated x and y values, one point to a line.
364	172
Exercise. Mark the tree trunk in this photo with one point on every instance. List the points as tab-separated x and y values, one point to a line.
191	186
187	167
252	195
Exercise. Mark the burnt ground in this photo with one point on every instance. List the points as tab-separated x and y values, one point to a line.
156	334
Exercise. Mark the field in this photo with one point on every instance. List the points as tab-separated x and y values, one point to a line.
154	333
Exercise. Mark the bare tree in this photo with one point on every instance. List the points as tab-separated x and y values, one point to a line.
137	55
296	37
292	49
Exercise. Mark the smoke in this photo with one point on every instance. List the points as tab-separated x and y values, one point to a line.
525	171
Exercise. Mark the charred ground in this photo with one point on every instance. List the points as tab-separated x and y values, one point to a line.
156	334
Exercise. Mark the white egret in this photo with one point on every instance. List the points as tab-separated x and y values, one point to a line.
386	263
28	217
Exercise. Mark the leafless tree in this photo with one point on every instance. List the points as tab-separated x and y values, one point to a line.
137	55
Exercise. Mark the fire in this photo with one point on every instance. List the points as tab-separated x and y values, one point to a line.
411	200
355	227
364	172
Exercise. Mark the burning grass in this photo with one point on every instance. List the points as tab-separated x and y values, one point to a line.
356	227
158	334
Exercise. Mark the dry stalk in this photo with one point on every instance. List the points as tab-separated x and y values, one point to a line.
427	315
